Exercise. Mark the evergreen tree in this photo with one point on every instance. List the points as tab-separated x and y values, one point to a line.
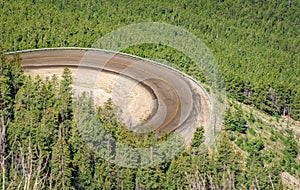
81	161
61	168
5	116
198	137
234	120
61	171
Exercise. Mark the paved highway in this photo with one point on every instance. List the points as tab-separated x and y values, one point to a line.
180	107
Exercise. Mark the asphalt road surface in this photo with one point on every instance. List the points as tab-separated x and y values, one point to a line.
179	106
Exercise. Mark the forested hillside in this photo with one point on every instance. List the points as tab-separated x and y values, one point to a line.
256	44
42	145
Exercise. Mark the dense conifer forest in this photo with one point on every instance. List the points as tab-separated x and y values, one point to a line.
256	44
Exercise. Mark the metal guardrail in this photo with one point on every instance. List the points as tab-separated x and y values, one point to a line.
136	57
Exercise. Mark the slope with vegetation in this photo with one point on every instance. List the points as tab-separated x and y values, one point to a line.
42	147
256	44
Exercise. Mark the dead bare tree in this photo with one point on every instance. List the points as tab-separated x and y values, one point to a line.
194	182
2	150
15	167
271	182
289	3
3	156
30	169
212	186
230	179
40	168
257	183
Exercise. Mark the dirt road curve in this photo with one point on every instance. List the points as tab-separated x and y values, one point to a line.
180	105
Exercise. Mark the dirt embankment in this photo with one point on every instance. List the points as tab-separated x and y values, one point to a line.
139	102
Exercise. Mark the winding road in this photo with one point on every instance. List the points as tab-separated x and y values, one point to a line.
181	105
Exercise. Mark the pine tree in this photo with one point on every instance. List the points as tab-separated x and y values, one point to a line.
61	168
103	173
5	117
81	161
65	105
125	178
151	178
179	172
234	120
61	172
198	138
14	71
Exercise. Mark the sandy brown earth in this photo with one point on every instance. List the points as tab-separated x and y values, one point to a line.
139	101
290	181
